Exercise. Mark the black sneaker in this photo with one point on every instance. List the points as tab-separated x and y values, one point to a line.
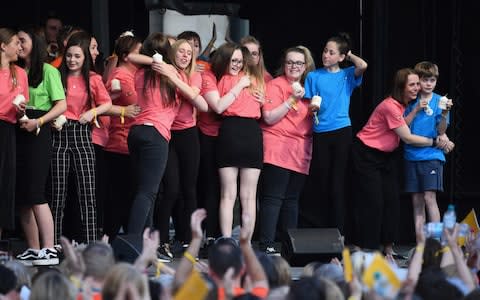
164	254
28	256
47	257
271	251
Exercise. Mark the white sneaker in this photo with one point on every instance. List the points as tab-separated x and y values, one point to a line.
28	256
47	257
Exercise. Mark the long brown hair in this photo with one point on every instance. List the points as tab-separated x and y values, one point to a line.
6	36
157	42
399	82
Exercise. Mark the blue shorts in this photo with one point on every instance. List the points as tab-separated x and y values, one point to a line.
421	176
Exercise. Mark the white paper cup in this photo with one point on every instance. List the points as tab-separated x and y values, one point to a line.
442	103
59	121
115	85
316	100
297	87
157	57
19	99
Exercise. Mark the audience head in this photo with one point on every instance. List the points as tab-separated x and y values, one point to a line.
433	285
432	255
283	270
8	283
269	268
224	254
314	288
99	259
21	272
52	284
121	274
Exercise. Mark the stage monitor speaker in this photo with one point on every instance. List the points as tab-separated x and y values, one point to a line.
127	247
305	245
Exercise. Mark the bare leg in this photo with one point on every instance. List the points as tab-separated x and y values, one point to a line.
432	207
29	225
248	193
419	217
228	194
44	218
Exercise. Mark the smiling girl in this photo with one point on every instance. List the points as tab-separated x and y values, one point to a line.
72	146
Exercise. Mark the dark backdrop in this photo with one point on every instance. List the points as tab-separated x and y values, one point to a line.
388	34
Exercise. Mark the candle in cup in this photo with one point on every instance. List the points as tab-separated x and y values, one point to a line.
297	87
19	99
59	121
115	85
317	101
157	57
442	103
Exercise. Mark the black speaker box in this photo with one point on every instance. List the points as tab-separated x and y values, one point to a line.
127	247
305	245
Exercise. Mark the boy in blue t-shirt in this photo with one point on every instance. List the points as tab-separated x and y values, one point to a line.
427	116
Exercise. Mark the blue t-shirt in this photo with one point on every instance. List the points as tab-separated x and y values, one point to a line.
335	90
426	126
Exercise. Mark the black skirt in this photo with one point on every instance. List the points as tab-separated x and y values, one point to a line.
7	175
34	153
240	143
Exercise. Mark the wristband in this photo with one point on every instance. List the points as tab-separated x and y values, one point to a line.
189	257
95	121
419	248
122	115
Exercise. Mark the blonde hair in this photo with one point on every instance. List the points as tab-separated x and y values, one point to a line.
191	66
123	273
52	285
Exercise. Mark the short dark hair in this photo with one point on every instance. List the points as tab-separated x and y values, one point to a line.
9	280
225	254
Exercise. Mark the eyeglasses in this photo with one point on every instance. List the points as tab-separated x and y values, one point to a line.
236	62
294	63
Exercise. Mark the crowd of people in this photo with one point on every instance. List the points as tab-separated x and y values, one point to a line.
160	128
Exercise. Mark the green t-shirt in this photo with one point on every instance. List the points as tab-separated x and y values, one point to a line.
48	91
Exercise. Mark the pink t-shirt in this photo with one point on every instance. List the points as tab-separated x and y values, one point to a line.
100	135
153	111
287	143
245	105
187	114
378	132
77	97
118	132
8	111
209	122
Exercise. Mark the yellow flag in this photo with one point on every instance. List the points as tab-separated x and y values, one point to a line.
471	219
347	265
380	277
194	288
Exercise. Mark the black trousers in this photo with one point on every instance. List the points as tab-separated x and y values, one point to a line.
376	196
